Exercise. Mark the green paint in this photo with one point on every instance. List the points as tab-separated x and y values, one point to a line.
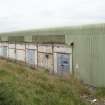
89	53
4	38
16	38
88	50
49	39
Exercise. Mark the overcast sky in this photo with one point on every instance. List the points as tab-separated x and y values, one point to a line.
31	14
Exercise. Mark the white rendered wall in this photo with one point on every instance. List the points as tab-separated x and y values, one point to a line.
20	52
1	49
44	62
31	46
45	48
62	49
11	51
5	44
20	55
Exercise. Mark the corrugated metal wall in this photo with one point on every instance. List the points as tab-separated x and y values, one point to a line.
89	55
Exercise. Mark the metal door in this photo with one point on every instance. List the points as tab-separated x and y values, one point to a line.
63	63
4	51
30	57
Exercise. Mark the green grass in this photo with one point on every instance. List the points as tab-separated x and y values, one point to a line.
23	86
100	92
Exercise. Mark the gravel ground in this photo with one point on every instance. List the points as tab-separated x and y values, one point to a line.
91	99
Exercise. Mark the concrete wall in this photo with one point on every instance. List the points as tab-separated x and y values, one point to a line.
45	60
12	51
45	55
20	52
4	50
0	49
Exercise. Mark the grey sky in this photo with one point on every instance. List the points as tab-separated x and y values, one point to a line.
27	14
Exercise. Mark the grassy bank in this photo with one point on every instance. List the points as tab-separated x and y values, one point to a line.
23	86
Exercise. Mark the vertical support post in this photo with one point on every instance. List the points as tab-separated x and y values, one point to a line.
15	52
25	52
34	56
37	53
8	49
1	49
72	45
53	56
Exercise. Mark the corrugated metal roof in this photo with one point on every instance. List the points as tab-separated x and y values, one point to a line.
95	28
49	39
16	38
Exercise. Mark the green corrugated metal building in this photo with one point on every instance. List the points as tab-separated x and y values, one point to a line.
88	48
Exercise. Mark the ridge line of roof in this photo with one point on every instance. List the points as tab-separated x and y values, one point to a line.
86	26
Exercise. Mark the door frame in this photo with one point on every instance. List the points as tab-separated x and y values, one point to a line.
55	61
